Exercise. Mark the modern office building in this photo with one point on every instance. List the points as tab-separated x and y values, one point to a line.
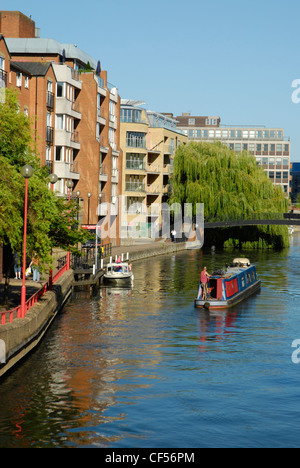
75	114
148	142
295	181
269	145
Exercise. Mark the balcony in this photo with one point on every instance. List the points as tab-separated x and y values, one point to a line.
49	135
135	143
103	176
153	168
153	189
115	176
135	164
50	100
135	187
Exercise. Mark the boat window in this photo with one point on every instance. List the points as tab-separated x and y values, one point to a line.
243	282
248	278
253	275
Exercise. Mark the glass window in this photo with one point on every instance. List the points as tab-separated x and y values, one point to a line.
191	121
278	161
266	134
279	135
239	134
271	161
198	133
278	175
266	148
259	134
279	148
272	148
272	134
238	147
285	175
205	133
59	121
245	146
265	161
285	162
245	134
271	174
232	133
191	133
258	147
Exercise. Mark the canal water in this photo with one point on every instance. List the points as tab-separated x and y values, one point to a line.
142	368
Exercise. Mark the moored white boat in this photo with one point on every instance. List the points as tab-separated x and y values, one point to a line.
227	288
118	273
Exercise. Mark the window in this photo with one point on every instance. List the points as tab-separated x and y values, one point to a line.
266	134
258	148
191	121
58	153
278	175
19	80
191	133
26	82
271	174
59	122
131	115
136	139
239	134
198	133
232	134
60	89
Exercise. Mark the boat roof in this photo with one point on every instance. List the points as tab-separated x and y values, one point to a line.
117	264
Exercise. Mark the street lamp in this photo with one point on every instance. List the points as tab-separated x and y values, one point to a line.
89	197
53	179
70	185
27	172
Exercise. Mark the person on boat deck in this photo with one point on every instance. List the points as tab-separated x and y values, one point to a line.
204	281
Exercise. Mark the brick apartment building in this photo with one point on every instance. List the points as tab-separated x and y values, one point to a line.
75	114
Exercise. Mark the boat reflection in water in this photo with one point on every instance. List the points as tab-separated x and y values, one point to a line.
227	289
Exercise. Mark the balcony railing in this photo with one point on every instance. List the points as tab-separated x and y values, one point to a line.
49	135
135	187
50	100
135	164
135	143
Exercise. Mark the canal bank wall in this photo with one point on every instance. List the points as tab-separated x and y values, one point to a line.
18	338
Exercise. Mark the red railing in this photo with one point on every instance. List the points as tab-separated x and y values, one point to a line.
16	312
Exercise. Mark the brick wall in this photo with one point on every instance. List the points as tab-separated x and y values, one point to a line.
16	24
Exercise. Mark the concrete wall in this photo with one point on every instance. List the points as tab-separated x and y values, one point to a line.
18	338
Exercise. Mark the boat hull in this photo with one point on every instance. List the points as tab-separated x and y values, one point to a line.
216	304
117	279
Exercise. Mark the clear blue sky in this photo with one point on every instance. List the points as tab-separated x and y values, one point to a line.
235	59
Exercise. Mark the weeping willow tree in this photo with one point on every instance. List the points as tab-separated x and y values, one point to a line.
231	186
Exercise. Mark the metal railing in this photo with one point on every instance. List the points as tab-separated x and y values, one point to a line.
15	313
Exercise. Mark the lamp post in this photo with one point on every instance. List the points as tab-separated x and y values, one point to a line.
27	172
53	179
77	196
70	185
89	197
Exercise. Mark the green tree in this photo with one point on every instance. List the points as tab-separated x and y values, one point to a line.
231	186
48	216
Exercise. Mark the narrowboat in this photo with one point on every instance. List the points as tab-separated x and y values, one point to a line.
228	288
118	273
